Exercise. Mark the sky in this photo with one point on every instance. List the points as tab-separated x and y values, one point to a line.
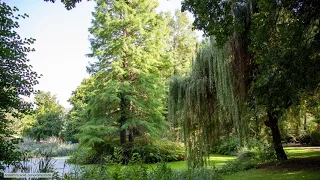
61	42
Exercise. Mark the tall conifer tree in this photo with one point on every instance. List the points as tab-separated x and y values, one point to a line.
130	47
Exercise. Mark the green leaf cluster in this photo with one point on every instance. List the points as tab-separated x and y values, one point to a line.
47	118
16	78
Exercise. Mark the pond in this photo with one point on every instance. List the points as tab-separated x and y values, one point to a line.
32	165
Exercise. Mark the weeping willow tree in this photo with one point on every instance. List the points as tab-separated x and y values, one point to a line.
223	69
192	100
229	74
283	59
205	100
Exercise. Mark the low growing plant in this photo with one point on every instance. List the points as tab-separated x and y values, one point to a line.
52	145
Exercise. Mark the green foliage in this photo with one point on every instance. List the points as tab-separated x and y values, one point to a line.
205	102
315	138
82	156
16	78
238	165
192	104
157	151
9	151
78	114
47	117
217	17
259	151
293	67
140	171
183	43
272	49
161	151
229	146
129	42
69	4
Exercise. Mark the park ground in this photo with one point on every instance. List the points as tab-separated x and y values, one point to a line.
303	163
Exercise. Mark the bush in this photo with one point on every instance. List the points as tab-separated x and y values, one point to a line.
161	151
305	139
289	139
315	138
142	172
228	146
238	165
84	156
259	151
158	151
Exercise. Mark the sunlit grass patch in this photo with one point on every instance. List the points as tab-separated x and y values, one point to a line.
215	160
220	160
301	153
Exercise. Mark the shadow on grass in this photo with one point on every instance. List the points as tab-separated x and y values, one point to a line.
266	174
302	164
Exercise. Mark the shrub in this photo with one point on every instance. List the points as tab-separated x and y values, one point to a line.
315	138
259	151
161	150
83	156
158	151
305	139
142	172
289	139
238	165
229	146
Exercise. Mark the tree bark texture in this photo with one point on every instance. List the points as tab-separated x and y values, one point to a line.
272	123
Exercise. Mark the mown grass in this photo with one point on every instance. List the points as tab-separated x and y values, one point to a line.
279	173
261	174
268	174
215	160
300	152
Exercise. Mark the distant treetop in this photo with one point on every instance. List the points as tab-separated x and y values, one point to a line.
69	4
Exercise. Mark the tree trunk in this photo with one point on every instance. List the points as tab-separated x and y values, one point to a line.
131	135
123	137
123	119
38	139
272	123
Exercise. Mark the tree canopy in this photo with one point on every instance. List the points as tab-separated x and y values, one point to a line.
271	51
47	119
16	76
129	42
69	4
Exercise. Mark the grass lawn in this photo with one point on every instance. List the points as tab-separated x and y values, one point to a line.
267	174
287	172
300	152
299	159
215	159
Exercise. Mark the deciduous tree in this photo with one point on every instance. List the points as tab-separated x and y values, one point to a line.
47	117
16	77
